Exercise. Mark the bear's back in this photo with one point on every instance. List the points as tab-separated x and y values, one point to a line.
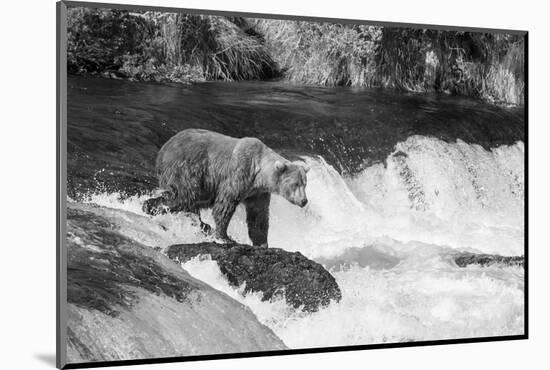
210	157
193	145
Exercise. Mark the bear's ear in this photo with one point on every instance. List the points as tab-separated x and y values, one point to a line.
280	166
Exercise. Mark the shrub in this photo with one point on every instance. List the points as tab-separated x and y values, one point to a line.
99	38
164	46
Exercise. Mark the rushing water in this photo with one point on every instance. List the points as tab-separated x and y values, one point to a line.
398	183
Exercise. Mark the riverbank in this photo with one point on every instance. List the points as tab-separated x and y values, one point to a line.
183	48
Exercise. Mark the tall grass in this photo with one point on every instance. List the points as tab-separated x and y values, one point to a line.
322	53
218	45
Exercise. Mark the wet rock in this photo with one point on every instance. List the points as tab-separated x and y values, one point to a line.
105	267
484	260
365	256
126	300
272	271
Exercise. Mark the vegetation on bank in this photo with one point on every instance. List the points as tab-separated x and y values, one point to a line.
154	46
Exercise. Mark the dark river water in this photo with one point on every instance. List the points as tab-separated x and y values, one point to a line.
116	127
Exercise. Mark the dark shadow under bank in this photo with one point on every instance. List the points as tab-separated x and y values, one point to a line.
295	351
46	358
115	128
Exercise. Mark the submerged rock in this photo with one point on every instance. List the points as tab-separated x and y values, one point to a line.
128	301
484	260
367	256
272	271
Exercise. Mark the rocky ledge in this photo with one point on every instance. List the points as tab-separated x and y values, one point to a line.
126	300
272	271
485	260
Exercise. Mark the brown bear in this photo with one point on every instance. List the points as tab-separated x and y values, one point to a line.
203	169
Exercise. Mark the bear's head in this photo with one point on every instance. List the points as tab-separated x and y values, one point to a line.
291	182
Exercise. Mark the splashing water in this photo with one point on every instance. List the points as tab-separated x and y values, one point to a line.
387	235
402	304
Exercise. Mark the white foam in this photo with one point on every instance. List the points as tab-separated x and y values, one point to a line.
459	195
158	231
403	304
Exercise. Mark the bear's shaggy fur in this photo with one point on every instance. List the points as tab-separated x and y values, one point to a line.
203	169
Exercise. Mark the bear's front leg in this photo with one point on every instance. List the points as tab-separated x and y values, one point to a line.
223	210
257	218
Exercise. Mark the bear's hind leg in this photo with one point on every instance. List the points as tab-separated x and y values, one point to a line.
222	212
205	228
257	218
